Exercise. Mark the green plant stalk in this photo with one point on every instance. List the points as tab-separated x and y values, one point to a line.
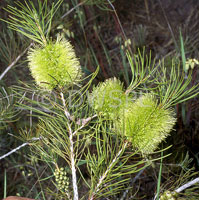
185	70
126	75
39	181
72	154
183	52
5	184
159	177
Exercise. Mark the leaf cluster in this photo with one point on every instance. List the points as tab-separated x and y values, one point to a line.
8	111
32	22
169	83
109	167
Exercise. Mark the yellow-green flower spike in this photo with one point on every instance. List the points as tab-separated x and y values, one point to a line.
146	124
54	64
108	97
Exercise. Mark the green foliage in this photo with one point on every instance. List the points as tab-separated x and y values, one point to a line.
54	65
174	85
7	107
34	24
143	70
184	173
159	177
109	167
11	46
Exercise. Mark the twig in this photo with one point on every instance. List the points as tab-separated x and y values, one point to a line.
112	6
19	147
73	169
65	108
185	186
132	182
83	122
72	155
120	25
14	62
169	26
71	135
14	150
72	9
101	179
190	183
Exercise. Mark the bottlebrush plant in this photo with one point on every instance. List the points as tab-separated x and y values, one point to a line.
91	144
146	123
108	97
54	64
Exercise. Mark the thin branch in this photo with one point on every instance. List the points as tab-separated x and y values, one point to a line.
65	108
19	147
72	9
14	150
169	26
190	183
71	135
14	62
112	6
101	179
132	182
72	154
83	122
120	25
185	186
73	169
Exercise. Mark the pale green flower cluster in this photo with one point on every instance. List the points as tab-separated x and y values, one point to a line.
167	195
108	97
54	64
146	124
191	63
143	121
61	179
